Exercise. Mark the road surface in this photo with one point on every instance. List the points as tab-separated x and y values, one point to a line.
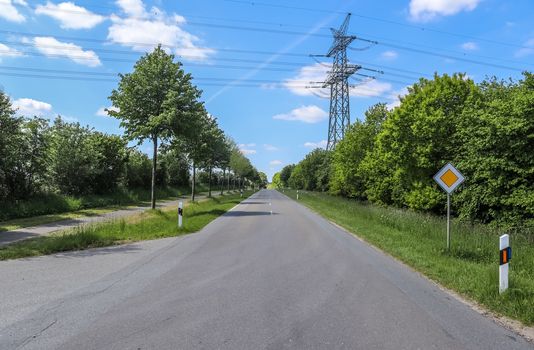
8	237
249	280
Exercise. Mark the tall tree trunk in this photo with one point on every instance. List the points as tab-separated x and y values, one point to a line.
154	164
193	184
222	182
228	180
209	184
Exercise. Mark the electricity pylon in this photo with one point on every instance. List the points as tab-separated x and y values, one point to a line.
337	80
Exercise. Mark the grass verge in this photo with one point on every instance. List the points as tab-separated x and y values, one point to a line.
419	240
151	224
53	207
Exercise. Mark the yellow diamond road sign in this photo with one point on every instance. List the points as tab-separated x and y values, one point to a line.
449	178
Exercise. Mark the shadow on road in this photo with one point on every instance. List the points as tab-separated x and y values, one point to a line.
119	249
238	213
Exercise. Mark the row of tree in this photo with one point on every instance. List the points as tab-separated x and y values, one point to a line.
156	102
486	130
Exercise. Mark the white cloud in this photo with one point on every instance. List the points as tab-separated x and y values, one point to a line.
308	74
246	151
307	114
370	88
527	49
30	107
142	31
54	48
70	15
389	55
275	162
270	148
133	8
470	46
395	97
320	144
9	11
318	73
247	148
426	10
101	112
6	51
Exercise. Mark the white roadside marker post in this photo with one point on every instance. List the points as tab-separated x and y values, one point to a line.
180	213
449	178
505	257
297	194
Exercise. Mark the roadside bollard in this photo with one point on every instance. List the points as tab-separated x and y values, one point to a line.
297	194
504	261
180	213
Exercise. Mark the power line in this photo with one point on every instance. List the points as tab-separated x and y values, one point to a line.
207	65
420	28
384	43
430	53
447	50
115	74
274	85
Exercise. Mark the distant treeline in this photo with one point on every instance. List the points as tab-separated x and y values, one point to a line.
157	102
486	130
66	158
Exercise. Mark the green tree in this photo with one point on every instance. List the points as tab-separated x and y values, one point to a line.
37	159
306	174
285	174
417	139
195	144
11	146
276	181
72	158
262	179
138	169
347	177
296	180
149	99
109	161
497	143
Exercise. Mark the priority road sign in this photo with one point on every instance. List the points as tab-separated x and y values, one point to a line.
449	178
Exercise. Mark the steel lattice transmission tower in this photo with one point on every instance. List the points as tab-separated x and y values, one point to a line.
337	80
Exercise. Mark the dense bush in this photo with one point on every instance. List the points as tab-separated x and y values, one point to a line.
389	158
41	161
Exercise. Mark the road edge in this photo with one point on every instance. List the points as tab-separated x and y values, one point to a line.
513	325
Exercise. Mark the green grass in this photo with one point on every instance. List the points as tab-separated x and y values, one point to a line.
419	240
54	207
151	224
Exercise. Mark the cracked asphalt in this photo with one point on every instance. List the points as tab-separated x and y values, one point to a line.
249	280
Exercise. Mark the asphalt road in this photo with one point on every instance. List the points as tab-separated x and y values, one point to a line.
249	280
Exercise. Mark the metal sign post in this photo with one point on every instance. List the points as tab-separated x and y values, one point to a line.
448	221
180	213
504	262
449	178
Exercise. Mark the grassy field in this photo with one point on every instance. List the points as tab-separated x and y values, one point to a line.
151	224
470	268
53	207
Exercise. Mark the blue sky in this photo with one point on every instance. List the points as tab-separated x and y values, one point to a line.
251	58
